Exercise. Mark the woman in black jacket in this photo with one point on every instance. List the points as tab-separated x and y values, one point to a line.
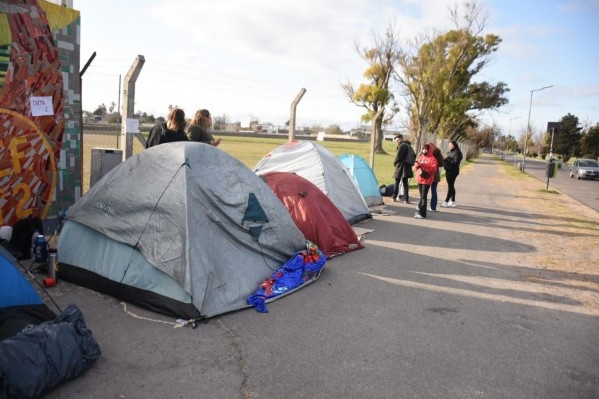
451	163
170	131
403	162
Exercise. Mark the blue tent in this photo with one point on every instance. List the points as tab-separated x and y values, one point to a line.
38	350
20	304
364	178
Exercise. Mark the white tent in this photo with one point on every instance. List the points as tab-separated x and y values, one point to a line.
182	228
320	166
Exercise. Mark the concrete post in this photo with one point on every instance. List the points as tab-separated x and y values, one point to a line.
292	117
128	110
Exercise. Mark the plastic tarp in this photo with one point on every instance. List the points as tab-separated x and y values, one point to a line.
40	358
302	268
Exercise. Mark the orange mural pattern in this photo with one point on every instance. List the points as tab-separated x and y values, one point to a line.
30	144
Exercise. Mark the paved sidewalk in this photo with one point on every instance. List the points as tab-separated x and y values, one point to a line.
477	301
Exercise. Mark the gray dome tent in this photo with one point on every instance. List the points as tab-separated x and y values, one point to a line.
321	167
181	228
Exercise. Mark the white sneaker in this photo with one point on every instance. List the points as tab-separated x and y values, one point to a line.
451	204
444	204
418	216
432	210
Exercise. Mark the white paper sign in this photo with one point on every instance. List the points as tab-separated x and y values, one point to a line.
132	125
41	106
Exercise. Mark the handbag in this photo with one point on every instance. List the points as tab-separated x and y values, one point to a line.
424	174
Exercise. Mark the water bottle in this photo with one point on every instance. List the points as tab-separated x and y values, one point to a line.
41	249
33	238
52	263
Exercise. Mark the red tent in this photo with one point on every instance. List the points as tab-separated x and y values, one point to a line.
314	213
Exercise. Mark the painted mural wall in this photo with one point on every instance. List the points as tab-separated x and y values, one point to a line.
40	112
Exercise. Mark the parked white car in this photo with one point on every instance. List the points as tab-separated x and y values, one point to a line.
585	169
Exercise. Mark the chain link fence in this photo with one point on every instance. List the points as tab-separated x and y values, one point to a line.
103	136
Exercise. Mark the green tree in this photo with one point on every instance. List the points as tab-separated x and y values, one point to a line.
436	76
589	144
101	110
567	139
376	96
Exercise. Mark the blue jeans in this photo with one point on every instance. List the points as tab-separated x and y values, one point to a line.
434	196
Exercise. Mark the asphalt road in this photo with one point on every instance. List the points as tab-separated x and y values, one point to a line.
446	307
585	191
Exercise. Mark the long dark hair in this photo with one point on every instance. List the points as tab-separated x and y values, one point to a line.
455	146
437	154
176	119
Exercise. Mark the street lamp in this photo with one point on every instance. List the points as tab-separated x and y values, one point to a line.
528	127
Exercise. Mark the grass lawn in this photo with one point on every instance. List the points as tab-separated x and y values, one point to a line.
249	150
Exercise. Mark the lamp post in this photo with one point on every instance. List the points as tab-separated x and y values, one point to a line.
528	127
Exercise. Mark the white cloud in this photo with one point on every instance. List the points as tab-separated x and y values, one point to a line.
239	57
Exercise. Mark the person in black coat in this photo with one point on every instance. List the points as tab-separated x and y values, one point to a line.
170	131
451	163
403	162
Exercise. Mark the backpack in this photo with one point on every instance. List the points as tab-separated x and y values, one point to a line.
411	157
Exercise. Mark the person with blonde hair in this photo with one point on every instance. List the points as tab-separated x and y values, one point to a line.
170	131
198	128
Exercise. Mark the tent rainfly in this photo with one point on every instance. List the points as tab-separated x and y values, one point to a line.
181	228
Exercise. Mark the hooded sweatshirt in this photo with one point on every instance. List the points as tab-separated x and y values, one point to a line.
429	164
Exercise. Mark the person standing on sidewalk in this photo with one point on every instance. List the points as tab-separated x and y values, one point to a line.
403	162
170	131
451	163
198	128
425	168
439	157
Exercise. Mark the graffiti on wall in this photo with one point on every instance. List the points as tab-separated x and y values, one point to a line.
32	106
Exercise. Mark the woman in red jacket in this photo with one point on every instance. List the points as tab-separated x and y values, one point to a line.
425	167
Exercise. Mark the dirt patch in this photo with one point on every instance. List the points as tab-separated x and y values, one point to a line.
566	234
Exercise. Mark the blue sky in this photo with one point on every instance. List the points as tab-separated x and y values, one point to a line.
245	59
